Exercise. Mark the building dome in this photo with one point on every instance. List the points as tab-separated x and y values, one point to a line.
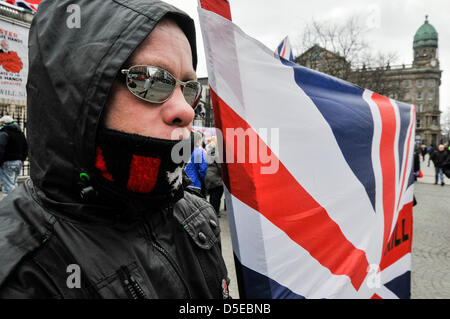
426	36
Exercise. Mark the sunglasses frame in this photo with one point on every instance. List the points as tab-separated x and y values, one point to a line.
177	82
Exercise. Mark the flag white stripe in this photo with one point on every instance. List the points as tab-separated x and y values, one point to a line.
407	159
301	273
397	162
396	269
378	225
385	293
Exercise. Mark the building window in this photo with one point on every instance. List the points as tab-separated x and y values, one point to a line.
419	95
420	109
418	123
434	120
419	83
431	83
430	96
406	83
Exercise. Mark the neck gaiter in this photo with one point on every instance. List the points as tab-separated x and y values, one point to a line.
140	167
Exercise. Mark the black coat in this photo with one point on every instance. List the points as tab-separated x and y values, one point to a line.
123	248
13	144
441	158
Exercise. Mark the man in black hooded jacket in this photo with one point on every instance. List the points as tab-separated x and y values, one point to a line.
104	214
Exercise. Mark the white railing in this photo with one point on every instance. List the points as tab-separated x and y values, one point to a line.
15	14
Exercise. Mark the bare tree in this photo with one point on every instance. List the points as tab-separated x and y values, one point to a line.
340	49
375	74
344	46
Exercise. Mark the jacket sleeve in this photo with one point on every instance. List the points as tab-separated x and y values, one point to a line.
202	167
28	281
3	141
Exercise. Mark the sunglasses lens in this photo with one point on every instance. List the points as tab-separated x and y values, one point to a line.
150	83
192	91
155	85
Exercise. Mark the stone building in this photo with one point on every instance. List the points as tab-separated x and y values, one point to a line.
417	83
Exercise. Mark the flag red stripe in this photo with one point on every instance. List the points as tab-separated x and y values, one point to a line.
285	203
400	242
387	159
34	1
284	50
221	7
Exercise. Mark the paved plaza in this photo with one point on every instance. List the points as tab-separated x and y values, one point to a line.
431	237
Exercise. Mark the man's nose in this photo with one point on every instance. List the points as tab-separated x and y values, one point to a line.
176	111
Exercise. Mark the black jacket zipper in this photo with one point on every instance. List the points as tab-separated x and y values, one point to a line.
163	252
174	266
130	284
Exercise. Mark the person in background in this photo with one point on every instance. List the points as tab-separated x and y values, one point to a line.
214	184
423	152
197	166
13	152
416	170
440	158
430	151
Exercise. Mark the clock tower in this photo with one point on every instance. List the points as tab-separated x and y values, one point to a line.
425	82
425	46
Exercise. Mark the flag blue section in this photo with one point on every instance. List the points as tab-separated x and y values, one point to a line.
280	47
404	110
411	177
349	116
258	286
401	285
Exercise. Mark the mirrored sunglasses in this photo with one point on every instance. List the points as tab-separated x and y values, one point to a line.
156	85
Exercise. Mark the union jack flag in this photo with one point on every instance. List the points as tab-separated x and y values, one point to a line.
334	220
284	49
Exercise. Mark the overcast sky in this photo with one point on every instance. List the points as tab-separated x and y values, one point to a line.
392	25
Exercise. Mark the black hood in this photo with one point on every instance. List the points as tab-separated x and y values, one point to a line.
71	73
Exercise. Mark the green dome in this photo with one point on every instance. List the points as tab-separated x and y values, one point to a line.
426	36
